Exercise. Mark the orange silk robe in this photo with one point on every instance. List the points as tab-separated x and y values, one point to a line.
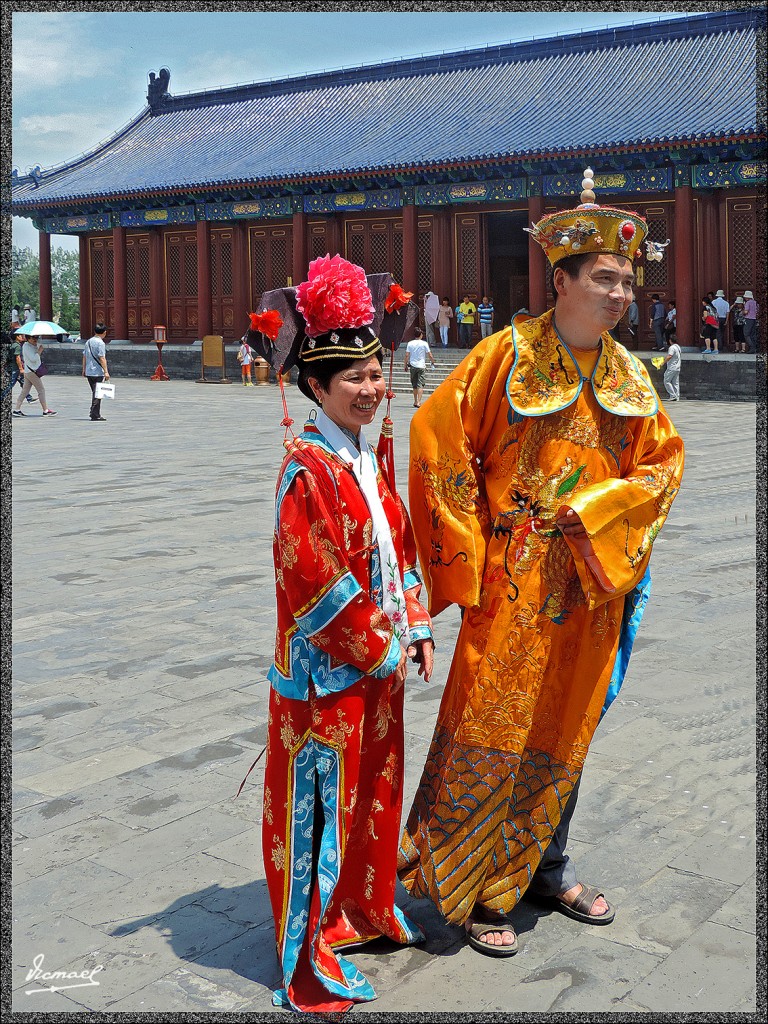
512	437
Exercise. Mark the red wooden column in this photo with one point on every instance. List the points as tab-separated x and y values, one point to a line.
45	307
537	262
722	234
710	243
204	298
410	251
157	279
241	291
333	236
120	326
682	262
300	265
444	254
86	314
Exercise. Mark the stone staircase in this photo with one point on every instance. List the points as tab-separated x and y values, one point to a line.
447	359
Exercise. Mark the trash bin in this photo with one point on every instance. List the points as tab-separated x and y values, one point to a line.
260	370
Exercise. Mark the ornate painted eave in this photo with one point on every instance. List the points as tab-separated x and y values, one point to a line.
525	165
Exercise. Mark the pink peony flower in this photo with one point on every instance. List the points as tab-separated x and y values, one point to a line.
335	295
396	617
391	587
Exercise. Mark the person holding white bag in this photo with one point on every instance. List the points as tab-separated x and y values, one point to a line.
95	366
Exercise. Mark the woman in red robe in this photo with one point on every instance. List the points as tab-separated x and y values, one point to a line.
348	615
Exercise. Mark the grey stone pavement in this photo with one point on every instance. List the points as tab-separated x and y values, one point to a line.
141	638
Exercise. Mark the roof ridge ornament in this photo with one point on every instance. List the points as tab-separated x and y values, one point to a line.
157	91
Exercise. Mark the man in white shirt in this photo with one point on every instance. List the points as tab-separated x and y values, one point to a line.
29	315
416	353
722	308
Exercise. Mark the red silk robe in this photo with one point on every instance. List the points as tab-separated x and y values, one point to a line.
334	772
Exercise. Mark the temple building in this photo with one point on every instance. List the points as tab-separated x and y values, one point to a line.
428	167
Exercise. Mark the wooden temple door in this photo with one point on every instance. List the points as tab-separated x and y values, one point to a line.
376	245
222	290
138	287
653	277
742	234
271	251
101	254
470	249
181	274
425	256
319	242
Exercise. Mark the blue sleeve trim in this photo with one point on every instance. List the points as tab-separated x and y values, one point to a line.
411	579
391	661
420	633
330	605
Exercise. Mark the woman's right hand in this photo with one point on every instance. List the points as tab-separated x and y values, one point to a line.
400	672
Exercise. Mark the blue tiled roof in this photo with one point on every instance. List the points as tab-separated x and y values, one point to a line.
685	79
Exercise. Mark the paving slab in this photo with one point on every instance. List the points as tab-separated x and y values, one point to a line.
139	717
713	971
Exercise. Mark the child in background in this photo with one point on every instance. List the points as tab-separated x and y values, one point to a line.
245	358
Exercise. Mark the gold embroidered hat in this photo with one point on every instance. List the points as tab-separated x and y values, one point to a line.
591	228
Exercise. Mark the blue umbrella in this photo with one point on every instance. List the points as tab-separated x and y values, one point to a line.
41	328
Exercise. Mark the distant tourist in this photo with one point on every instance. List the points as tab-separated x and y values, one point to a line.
738	320
245	358
673	360
431	312
12	364
722	309
708	326
656	322
444	317
751	311
32	357
416	354
467	323
29	314
485	313
95	367
633	321
670	322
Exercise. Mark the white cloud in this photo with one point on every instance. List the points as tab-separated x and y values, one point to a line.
52	139
47	52
74	123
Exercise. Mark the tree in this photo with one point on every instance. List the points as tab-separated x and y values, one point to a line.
25	279
65	284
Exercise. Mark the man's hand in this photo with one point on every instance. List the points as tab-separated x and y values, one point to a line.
572	528
422	653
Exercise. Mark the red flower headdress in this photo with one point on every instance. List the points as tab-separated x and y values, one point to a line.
335	295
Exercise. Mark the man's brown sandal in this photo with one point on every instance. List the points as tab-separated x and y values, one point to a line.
483	922
579	910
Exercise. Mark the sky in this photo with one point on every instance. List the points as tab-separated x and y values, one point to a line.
78	76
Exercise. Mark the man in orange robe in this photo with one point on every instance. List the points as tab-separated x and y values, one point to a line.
541	472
